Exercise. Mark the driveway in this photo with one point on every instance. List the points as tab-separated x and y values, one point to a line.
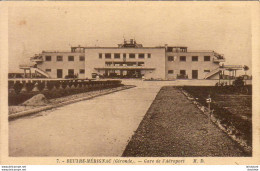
98	127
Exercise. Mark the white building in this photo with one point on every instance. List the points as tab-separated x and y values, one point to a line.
131	60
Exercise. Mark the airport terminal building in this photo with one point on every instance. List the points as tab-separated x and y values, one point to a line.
130	60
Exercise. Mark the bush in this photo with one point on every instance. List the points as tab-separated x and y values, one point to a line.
239	82
18	87
29	86
41	86
50	85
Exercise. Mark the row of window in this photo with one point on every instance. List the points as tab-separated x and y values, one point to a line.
183	72
118	55
183	58
60	58
70	71
124	63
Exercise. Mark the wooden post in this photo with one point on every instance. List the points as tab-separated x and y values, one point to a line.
30	73
219	78
24	70
229	77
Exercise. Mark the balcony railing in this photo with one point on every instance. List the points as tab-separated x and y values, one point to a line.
218	60
25	66
37	59
219	56
232	67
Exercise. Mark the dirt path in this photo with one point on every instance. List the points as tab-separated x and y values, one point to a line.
174	127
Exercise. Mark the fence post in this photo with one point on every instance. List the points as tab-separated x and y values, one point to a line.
208	100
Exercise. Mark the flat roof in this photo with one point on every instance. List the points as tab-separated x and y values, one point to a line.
124	48
45	51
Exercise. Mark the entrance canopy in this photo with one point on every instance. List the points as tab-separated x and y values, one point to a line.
124	68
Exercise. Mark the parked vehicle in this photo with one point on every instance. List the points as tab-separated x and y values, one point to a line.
71	76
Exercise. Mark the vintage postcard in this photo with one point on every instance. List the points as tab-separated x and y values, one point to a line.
130	83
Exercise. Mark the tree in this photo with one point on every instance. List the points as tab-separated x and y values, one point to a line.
246	68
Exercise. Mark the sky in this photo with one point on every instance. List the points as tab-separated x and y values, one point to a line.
224	28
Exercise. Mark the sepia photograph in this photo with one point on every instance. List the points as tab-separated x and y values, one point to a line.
131	83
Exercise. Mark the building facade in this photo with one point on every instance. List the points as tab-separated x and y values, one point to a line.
131	60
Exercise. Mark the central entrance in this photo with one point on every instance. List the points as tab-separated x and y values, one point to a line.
134	73
124	72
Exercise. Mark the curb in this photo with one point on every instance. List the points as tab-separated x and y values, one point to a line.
33	111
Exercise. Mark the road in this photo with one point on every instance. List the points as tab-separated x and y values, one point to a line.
98	127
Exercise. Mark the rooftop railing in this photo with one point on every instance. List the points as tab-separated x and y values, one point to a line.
232	66
218	60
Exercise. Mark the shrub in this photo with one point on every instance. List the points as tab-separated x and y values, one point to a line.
41	86
29	86
239	82
50	85
18	87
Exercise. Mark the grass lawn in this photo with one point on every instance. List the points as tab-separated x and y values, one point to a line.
174	127
232	108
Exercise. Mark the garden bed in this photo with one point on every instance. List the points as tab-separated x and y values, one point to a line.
19	108
16	99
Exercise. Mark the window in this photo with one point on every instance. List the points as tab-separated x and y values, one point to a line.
131	55
100	56
117	55
71	71
118	63
82	71
170	58
183	72
170	71
48	70
140	63
70	58
194	74
108	55
131	64
206	58
141	55
59	73
206	70
82	58
183	58
169	49
59	58
195	58
124	55
149	55
47	58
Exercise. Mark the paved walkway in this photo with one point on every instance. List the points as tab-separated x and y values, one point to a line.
98	127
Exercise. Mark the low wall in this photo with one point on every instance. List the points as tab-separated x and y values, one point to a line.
20	90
